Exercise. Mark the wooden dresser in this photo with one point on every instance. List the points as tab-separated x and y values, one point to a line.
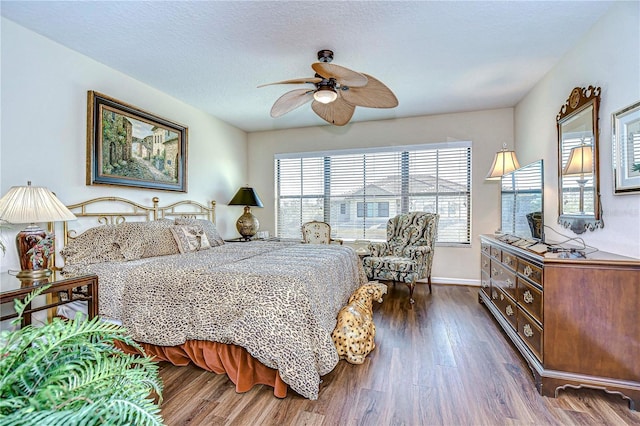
574	320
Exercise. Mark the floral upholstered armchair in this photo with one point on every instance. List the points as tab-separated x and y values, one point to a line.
315	232
407	254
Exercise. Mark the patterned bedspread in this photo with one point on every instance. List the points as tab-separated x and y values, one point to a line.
277	300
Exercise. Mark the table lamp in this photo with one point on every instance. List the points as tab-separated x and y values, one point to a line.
247	224
32	205
504	162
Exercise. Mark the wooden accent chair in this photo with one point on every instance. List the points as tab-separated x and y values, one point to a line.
316	232
407	254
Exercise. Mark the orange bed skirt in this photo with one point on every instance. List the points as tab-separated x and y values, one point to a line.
243	370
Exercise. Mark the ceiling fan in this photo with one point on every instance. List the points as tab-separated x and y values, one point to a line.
336	93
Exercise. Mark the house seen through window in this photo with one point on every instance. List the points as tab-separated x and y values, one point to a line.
358	191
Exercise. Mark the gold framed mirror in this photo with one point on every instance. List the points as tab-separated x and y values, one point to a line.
579	205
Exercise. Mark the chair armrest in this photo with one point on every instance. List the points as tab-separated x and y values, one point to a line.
417	253
378	249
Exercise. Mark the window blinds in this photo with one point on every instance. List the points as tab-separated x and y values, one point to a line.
357	192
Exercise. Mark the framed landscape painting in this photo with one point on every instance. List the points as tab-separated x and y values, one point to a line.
127	146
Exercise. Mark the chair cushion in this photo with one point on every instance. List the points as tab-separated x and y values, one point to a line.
391	263
391	268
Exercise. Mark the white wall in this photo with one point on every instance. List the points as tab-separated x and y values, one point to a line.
609	57
487	130
43	137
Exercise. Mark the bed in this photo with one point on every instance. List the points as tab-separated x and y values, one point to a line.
261	311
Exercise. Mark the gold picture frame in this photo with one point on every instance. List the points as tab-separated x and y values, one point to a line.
127	146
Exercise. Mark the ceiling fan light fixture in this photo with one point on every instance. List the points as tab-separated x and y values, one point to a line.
336	93
325	95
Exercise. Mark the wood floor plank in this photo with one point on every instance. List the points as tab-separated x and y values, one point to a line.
444	362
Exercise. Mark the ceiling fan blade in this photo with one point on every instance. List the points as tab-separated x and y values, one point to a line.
311	80
290	101
337	112
344	76
374	95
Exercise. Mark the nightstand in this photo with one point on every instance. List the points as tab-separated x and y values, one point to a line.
12	288
239	240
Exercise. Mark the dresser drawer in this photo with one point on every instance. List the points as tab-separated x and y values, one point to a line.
530	299
509	260
530	271
485	283
485	264
506	305
531	333
503	277
496	253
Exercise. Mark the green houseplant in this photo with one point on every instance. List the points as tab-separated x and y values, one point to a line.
67	372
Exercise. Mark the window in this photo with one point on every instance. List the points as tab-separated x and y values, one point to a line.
383	209
373	209
357	191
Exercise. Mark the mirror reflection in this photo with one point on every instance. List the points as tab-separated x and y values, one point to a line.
578	192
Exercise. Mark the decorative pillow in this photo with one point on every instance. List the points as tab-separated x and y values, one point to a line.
209	229
95	245
190	238
159	240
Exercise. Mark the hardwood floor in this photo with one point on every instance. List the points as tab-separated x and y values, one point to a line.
446	362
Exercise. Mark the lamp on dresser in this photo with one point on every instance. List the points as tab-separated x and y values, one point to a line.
247	224
33	205
504	162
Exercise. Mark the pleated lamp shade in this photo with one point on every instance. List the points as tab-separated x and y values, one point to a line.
32	204
503	163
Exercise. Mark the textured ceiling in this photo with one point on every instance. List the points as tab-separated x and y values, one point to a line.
437	57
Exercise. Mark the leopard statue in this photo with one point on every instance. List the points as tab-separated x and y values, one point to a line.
355	331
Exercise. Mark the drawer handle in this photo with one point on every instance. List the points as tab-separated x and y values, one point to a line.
509	283
485	264
527	271
494	272
527	330
494	294
485	283
509	310
501	296
507	260
528	298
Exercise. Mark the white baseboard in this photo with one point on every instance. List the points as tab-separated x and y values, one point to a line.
453	281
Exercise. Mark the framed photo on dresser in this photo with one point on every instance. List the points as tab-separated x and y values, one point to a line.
127	146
